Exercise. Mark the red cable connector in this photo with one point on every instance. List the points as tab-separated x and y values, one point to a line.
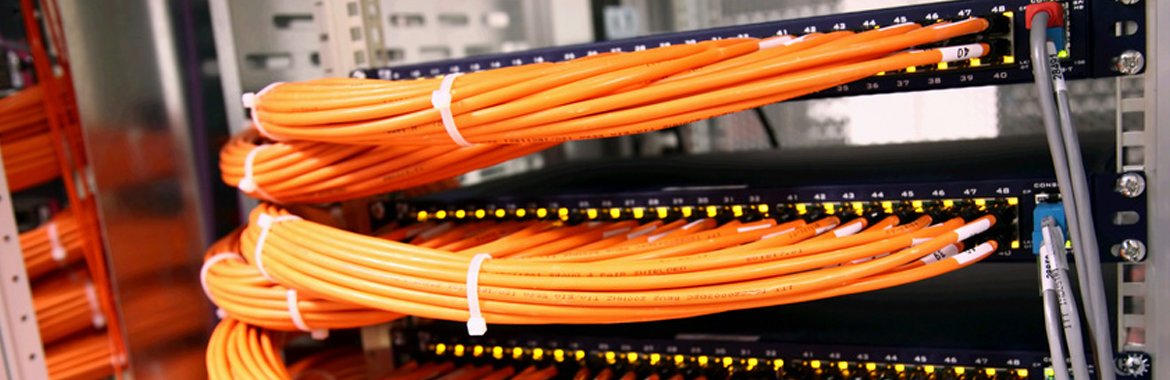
1055	13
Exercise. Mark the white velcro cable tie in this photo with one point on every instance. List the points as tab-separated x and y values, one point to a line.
248	183
295	313
252	101
57	251
476	325
99	319
441	100
207	267
265	222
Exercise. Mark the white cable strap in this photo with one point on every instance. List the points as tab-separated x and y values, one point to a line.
99	319
476	325
252	101
248	183
441	100
295	313
207	267
57	252
265	222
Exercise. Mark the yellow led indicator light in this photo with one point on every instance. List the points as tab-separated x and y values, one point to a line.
460	214
1022	373
900	367
752	363
763	208
615	213
975	62
1015	244
928	369
776	364
858	206
737	210
459	350
579	355
610	357
686	211
500	213
981	202
541	212
1009	59
1013	201
948	203
880	73
441	214
1068	244
712	211
870	366
703	360
639	213
1049	372
916	204
440	349
815	364
843	365
422	216
537	353
888	206
591	213
559	355
830	208
943	65
679	360
477	350
1062	54
801	209
498	352
727	361
480	213
521	212
632	357
663	212
655	358
1009	14
960	371
911	69
517	352
991	372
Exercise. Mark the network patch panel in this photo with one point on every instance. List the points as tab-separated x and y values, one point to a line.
1102	40
742	356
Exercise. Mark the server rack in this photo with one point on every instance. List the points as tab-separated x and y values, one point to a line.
1149	134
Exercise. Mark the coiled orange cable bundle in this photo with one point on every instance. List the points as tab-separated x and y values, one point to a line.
84	357
66	304
540	274
405	124
53	245
343	363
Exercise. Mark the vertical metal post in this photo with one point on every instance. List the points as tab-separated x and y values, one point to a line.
1157	137
378	346
20	338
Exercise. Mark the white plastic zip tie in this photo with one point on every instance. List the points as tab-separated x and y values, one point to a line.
99	319
207	267
265	222
57	252
476	325
441	100
248	183
251	101
295	313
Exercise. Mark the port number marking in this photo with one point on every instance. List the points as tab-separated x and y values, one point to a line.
964	13
900	19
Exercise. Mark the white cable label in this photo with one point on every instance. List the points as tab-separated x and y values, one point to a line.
849	229
777	233
973	228
941	254
961	52
973	254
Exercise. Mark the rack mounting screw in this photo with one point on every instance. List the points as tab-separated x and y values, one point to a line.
1129	2
1129	62
1131	185
1131	250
